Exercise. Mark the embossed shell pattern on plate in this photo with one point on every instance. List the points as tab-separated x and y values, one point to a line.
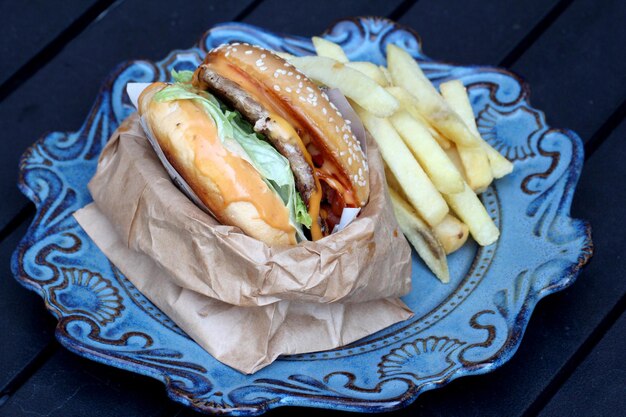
469	326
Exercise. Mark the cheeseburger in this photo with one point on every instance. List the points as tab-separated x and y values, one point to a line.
259	143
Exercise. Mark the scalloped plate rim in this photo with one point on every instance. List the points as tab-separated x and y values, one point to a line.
567	278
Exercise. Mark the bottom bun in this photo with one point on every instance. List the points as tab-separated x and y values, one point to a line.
228	185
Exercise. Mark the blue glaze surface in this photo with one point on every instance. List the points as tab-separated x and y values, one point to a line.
470	326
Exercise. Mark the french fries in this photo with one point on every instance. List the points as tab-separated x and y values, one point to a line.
406	73
428	153
473	158
471	211
412	179
329	49
435	159
454	157
407	102
455	94
421	237
387	74
476	166
371	70
452	233
352	83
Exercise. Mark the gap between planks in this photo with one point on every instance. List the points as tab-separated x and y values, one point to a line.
583	351
28	370
52	49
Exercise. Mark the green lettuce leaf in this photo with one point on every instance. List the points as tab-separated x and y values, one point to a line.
231	127
183	76
302	215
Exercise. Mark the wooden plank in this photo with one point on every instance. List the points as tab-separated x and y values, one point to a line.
597	387
27	29
59	96
25	325
310	18
460	31
576	69
68	385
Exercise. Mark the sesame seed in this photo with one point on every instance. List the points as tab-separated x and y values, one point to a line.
234	49
330	120
227	53
288	89
310	89
263	68
350	160
348	121
248	52
346	136
298	90
263	55
290	73
298	76
337	129
287	64
300	84
276	87
324	110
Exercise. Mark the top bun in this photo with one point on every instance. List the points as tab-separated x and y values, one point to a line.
301	101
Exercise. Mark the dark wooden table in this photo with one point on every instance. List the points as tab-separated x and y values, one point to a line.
572	360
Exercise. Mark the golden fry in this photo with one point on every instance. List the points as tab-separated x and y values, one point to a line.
406	73
429	154
329	49
471	211
413	181
371	70
421	237
452	233
407	102
456	95
386	73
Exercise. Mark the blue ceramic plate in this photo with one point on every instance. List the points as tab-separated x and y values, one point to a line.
470	326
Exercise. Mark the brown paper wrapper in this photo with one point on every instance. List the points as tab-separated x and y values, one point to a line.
211	279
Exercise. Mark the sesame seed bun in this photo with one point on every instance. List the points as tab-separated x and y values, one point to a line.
299	100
